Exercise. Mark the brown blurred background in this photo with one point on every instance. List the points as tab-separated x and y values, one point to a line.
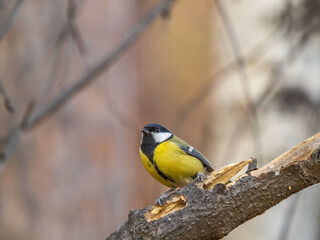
77	174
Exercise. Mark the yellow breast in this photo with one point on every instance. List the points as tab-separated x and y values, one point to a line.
178	166
152	170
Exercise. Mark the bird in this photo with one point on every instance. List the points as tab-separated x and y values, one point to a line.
169	159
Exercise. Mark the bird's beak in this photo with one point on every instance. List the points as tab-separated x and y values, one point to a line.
145	131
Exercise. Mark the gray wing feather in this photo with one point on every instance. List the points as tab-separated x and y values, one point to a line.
195	153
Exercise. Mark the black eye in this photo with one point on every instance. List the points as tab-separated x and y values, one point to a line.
157	130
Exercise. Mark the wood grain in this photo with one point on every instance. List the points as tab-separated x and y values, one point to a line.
213	213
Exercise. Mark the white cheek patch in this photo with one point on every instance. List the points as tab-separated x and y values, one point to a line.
161	137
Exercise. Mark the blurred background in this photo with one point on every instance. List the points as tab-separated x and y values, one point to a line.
235	79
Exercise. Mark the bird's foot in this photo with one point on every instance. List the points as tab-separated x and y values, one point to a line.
161	200
201	177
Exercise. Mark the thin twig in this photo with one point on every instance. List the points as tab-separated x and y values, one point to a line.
8	144
252	57
56	103
9	21
28	112
58	66
121	116
7	102
244	77
242	123
71	28
288	218
275	79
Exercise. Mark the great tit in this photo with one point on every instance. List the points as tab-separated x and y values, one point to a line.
170	160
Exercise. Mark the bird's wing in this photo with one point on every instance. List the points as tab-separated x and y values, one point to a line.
192	151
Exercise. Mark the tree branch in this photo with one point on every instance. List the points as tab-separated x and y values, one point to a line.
8	144
102	66
244	76
6	100
202	212
5	27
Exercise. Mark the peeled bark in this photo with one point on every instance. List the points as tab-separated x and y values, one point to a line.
197	211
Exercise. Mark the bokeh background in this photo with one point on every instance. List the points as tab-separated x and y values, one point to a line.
235	79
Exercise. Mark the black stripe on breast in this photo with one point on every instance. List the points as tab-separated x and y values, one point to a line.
147	147
160	172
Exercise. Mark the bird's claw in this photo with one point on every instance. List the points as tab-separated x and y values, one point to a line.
201	177
161	200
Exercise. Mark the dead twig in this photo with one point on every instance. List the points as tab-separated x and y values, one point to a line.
5	27
244	77
71	28
122	117
276	79
34	117
9	142
253	56
288	219
224	206
7	102
65	95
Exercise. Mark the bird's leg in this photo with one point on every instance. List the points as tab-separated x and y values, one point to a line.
160	200
200	176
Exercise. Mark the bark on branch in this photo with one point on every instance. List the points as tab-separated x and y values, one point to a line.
201	212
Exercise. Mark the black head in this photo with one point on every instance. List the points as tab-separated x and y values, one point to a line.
154	128
157	132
